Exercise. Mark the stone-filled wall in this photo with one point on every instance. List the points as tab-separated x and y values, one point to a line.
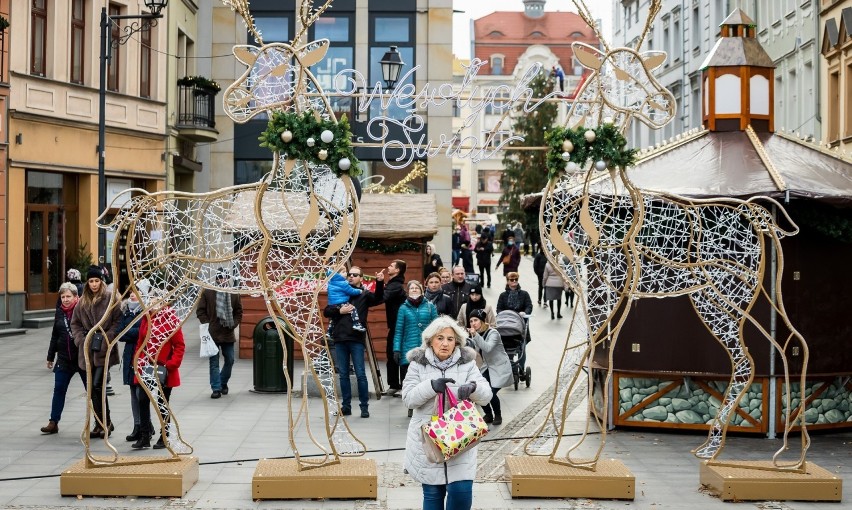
833	405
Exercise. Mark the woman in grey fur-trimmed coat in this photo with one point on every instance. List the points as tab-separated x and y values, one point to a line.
443	360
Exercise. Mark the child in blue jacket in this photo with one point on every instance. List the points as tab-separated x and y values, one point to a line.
339	292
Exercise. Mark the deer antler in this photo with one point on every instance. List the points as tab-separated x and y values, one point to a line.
653	10
241	7
584	13
307	17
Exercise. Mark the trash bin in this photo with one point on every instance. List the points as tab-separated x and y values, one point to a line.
269	357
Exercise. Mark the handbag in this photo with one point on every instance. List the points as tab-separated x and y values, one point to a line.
208	346
456	429
161	371
97	342
507	259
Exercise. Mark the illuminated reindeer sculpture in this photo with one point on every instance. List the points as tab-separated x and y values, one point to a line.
628	243
278	237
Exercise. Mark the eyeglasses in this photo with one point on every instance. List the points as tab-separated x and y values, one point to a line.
513	279
356	275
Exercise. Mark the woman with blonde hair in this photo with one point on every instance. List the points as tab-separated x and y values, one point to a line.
431	261
442	361
88	312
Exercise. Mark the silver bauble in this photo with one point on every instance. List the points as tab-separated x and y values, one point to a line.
566	156
327	136
600	165
344	164
311	142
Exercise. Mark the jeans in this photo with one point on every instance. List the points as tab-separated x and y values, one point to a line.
343	351
459	496
218	379
61	381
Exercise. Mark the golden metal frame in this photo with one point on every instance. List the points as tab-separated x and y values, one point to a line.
614	243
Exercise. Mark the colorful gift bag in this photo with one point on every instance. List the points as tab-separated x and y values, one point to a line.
460	427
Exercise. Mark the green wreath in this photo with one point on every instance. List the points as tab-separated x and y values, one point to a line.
581	145
302	136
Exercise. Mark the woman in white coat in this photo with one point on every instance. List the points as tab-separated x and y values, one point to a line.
495	367
443	360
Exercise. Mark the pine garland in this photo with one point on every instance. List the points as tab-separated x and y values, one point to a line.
608	146
303	126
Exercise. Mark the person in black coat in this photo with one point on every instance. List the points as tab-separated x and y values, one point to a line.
466	258
62	355
518	300
458	289
432	261
394	296
130	309
484	249
539	262
435	294
349	343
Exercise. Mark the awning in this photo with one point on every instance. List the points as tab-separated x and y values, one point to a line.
462	203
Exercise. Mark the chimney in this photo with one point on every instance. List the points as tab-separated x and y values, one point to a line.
534	8
738	79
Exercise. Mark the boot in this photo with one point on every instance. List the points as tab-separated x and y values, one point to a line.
488	418
551	313
160	444
97	432
50	428
144	441
133	436
559	311
498	420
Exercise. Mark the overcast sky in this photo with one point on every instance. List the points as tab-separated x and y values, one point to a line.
475	9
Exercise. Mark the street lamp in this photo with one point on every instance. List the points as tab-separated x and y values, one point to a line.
144	22
391	67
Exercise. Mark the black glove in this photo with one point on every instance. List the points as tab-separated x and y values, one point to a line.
440	385
465	390
396	357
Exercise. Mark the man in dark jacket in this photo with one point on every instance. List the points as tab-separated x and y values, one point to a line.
539	262
458	290
222	312
484	249
349	343
394	297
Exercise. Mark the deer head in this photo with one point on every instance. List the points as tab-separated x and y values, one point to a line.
277	75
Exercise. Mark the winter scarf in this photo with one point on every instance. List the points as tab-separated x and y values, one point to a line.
224	310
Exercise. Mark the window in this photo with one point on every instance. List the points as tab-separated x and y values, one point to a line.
114	64
536	34
495	33
677	40
145	62
666	38
696	29
38	57
794	119
500	103
627	15
496	65
695	100
390	29
340	55
456	178
272	27
248	171
78	28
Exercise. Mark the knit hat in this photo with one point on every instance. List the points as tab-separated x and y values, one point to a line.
144	288
479	314
94	272
73	275
476	290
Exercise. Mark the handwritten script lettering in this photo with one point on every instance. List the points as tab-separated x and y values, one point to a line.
467	97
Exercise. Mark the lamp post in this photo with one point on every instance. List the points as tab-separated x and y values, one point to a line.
143	22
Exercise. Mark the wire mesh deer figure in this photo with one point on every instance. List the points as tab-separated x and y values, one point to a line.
280	235
628	243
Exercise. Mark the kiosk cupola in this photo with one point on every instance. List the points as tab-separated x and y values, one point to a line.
738	80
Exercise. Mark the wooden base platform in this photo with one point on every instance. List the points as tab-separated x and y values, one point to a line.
537	477
743	484
165	479
281	479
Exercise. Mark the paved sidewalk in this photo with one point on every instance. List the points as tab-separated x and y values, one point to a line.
230	434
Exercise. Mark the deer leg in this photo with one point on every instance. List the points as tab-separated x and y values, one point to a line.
724	319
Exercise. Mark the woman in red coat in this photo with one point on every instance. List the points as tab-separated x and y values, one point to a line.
166	333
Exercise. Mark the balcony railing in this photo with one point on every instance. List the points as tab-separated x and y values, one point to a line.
196	107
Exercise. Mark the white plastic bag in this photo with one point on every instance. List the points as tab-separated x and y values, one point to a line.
208	346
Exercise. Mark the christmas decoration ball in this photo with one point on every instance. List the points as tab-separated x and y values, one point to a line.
566	156
600	165
327	136
323	154
287	136
572	167
590	136
311	142
607	120
567	146
344	164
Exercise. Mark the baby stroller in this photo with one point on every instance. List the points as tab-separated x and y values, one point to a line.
513	331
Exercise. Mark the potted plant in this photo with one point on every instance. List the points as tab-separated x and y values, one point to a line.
4	23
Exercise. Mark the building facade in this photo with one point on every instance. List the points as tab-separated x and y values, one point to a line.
52	180
5	29
836	65
510	43
688	30
360	32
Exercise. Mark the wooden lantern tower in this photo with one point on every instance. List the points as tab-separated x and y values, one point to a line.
738	78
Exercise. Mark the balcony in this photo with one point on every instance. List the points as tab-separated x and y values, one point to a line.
197	109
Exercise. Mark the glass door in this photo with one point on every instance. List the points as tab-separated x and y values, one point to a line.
45	256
